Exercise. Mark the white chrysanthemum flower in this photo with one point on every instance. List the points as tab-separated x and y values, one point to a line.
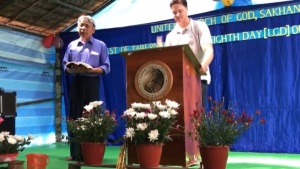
1	137
129	132
142	126
30	137
165	114
19	138
89	108
130	112
11	140
140	106
172	104
5	133
141	115
136	105
146	106
96	103
152	116
161	107
173	112
153	135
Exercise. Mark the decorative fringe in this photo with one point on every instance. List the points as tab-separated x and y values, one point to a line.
121	163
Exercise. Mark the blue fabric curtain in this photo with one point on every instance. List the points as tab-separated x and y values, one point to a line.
262	73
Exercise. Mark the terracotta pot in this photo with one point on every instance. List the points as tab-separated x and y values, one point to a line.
93	153
214	157
8	157
37	161
149	155
16	165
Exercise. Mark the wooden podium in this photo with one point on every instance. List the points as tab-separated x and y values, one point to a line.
177	80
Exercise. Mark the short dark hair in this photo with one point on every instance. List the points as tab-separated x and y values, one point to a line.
183	2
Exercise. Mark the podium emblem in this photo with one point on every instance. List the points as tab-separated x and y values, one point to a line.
153	80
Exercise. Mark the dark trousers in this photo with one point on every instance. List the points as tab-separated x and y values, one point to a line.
204	93
83	90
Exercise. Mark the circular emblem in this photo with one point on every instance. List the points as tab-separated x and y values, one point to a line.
153	80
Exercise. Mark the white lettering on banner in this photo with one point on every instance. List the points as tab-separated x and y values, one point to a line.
117	50
237	17
162	27
265	33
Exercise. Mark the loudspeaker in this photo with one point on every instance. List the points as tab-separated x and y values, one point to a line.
9	124
8	104
8	107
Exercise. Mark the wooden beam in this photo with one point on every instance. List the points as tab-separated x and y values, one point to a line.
58	93
25	30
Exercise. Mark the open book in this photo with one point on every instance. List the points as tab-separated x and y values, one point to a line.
71	65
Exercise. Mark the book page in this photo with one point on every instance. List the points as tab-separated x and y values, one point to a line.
77	65
85	65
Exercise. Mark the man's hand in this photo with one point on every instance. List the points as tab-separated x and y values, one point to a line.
203	69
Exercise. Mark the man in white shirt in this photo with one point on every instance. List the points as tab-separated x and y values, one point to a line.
197	35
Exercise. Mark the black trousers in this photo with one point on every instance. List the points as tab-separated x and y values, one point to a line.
204	93
83	90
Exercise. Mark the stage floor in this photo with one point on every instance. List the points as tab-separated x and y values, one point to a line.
237	160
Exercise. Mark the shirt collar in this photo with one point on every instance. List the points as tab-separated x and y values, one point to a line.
180	30
90	41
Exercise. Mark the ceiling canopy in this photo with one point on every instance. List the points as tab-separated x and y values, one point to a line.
44	17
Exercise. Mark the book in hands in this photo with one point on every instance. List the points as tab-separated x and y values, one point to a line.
78	65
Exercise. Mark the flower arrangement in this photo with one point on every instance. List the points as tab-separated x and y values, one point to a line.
150	123
10	144
95	125
220	126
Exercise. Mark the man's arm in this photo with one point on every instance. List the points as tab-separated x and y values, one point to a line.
208	56
96	70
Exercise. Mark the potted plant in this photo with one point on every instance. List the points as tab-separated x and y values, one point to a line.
11	145
92	130
148	127
219	128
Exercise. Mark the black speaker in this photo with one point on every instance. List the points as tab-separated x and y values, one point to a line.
9	124
8	108
8	105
